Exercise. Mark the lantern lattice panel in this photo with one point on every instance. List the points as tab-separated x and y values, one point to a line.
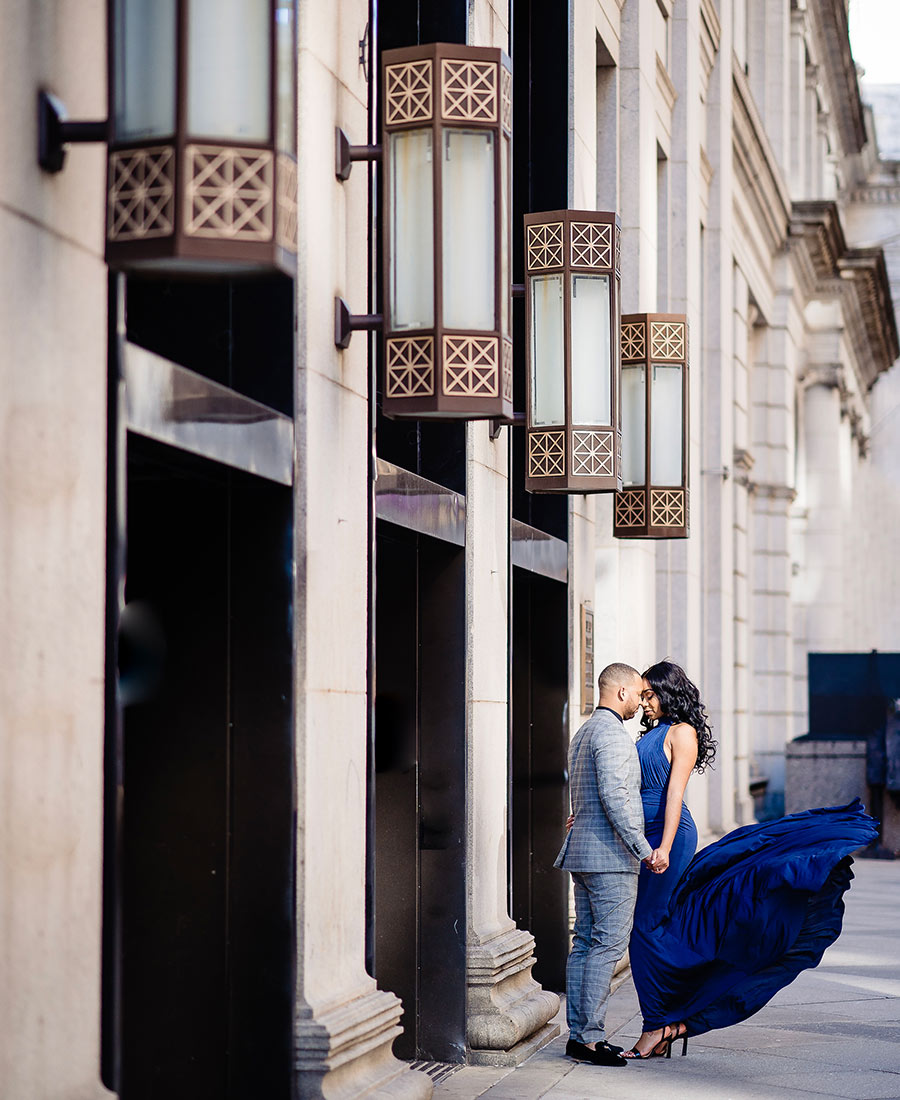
229	193
468	91
667	340
545	246
592	453
409	370
142	194
506	99
618	251
591	244
631	508
667	508
546	454
506	370
286	203
634	345
470	366
409	96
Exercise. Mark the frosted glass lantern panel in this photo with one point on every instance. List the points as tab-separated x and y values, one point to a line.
286	51
591	375
667	424
468	230
145	69
504	237
411	198
634	423
548	362
229	69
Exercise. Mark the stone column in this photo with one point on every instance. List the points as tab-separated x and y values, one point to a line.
772	420
53	406
827	511
507	1012
345	1026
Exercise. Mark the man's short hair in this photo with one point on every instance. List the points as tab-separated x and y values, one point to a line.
615	676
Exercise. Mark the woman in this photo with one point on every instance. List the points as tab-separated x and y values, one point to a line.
675	740
716	937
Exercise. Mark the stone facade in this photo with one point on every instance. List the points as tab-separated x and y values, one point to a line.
731	138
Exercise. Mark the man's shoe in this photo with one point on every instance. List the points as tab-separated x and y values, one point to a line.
573	1046
604	1055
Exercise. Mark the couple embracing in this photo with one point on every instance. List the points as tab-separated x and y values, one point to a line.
711	937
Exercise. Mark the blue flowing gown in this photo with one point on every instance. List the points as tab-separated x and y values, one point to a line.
715	937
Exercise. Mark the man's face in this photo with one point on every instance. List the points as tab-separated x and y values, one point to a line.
631	697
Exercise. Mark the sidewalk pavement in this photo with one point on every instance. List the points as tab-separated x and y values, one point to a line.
833	1033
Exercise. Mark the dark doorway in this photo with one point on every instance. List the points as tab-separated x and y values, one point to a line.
206	835
417	906
540	893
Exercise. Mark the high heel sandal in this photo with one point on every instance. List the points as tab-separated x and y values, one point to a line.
671	1034
680	1033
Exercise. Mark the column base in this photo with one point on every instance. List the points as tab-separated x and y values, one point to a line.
345	1052
518	1053
505	1006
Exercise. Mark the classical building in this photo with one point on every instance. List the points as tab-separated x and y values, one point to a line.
287	684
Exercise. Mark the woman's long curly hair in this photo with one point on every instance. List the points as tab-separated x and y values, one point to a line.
680	702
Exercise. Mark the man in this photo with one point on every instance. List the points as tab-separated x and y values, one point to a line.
602	852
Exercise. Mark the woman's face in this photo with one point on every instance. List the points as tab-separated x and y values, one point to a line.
650	702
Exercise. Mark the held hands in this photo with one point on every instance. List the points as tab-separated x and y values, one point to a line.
570	821
657	861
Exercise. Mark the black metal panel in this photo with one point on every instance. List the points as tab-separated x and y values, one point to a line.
539	893
418	922
208	807
394	799
442	801
540	57
261	950
175	806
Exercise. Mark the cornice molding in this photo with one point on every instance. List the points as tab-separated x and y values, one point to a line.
828	268
846	101
816	224
866	270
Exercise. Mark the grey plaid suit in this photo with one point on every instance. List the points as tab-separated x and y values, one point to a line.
602	852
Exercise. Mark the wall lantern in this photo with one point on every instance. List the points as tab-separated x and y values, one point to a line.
202	173
447	123
572	323
654	500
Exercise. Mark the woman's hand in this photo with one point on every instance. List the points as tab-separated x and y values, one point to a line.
659	860
570	821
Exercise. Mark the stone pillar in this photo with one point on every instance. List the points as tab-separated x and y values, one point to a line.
772	420
53	404
637	156
345	1026
746	342
827	511
507	1012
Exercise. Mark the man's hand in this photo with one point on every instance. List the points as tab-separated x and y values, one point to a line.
570	821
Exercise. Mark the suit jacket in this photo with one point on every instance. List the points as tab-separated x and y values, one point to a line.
605	788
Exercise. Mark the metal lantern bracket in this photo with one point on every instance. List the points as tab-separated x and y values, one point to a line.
345	154
55	132
346	323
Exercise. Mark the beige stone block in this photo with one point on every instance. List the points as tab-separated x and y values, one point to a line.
332	472
59	47
331	794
